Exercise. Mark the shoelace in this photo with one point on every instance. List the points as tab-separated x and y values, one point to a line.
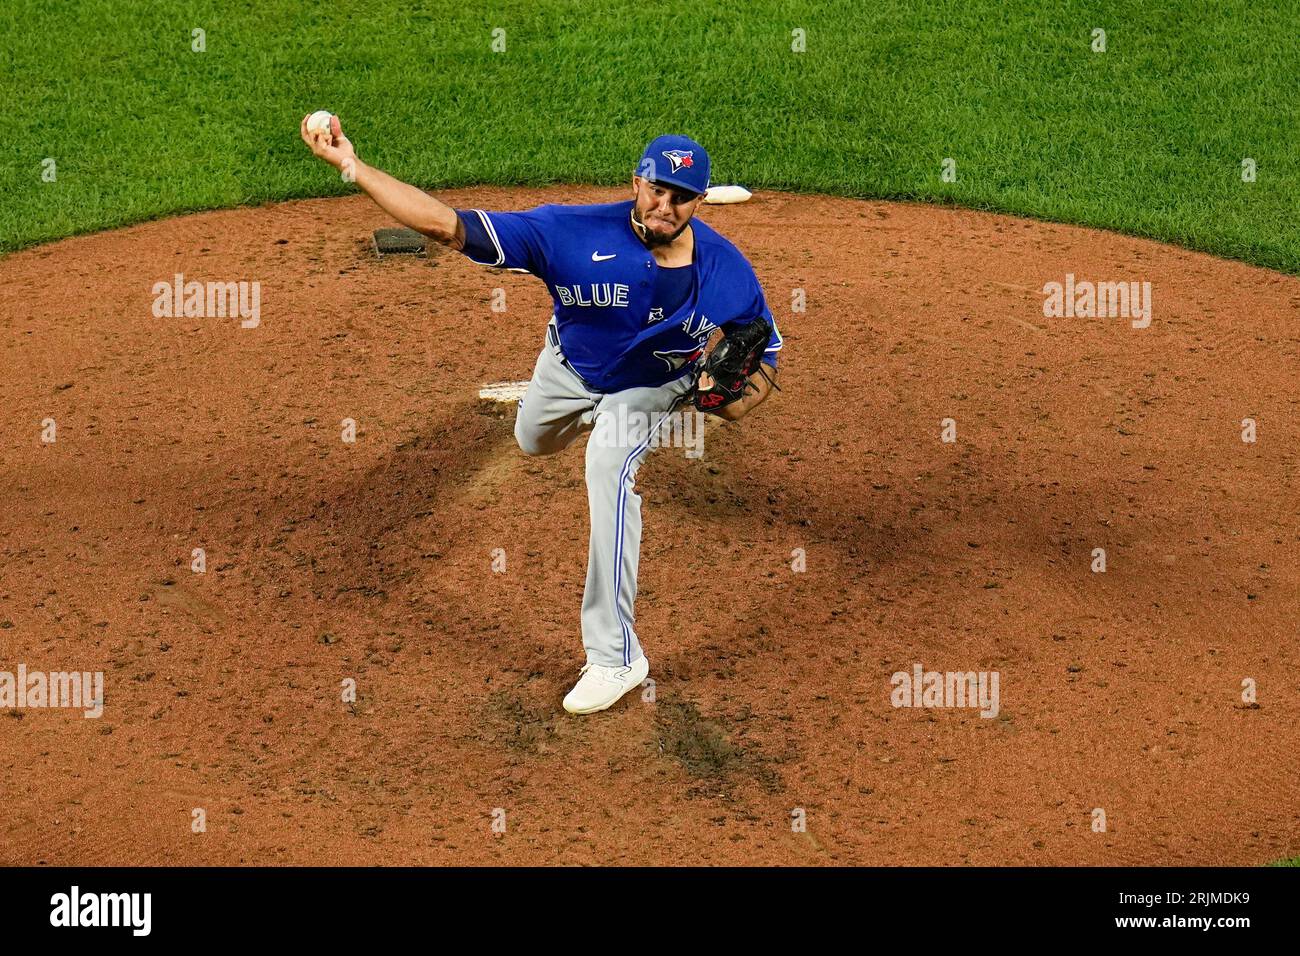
610	677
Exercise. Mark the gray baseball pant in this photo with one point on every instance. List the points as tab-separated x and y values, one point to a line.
557	408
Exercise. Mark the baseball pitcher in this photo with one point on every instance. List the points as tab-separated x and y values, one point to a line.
640	289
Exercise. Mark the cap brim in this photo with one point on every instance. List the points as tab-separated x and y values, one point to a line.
668	181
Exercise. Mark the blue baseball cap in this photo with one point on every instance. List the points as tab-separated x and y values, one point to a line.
676	161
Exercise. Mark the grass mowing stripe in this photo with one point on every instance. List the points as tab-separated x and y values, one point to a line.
1147	137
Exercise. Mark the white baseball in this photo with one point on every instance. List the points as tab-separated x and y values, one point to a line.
319	122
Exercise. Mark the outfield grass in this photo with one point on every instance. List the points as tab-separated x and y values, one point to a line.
1147	137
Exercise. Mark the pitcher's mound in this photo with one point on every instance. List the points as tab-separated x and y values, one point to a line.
336	609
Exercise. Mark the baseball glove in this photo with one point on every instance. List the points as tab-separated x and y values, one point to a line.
730	364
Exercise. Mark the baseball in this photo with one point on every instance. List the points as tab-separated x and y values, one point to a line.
319	122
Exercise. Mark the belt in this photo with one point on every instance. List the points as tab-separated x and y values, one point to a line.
553	339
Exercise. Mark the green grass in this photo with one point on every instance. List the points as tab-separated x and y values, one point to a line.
1292	862
1147	138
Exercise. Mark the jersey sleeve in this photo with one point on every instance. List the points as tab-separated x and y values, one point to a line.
753	306
511	240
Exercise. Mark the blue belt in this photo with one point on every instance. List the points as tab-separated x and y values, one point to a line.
553	339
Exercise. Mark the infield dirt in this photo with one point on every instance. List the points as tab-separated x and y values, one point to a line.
372	561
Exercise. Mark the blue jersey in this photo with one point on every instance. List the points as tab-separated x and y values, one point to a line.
605	283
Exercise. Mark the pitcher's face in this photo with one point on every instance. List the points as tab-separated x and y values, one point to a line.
663	211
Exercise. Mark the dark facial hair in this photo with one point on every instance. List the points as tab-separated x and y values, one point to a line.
652	239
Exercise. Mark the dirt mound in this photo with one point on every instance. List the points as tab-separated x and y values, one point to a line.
330	562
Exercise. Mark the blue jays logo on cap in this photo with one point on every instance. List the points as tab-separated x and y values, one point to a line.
680	158
687	165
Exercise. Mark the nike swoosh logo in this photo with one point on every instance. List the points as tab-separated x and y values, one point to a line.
597	257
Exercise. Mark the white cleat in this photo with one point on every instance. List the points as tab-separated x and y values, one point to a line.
600	687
